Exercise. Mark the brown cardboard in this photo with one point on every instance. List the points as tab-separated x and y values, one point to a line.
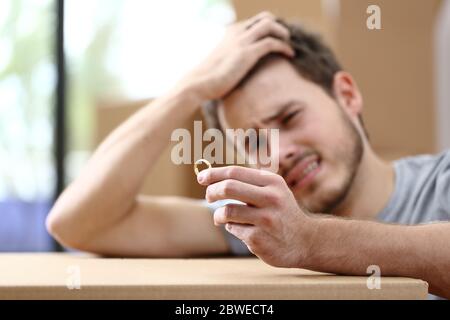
394	70
310	13
45	276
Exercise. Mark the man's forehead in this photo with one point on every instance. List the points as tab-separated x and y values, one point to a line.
269	88
239	114
249	119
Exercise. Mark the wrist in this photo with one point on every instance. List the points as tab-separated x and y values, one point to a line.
312	238
187	94
192	90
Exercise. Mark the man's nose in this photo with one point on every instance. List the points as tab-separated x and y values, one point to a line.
286	156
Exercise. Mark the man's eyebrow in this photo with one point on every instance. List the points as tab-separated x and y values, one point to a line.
282	110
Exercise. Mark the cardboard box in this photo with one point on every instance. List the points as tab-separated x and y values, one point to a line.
49	276
394	70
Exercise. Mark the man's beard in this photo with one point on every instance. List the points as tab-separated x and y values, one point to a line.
352	160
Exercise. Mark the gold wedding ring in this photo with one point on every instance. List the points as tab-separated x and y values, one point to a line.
199	161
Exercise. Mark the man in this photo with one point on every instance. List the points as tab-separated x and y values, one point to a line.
268	74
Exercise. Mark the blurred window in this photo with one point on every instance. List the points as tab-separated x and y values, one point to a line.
27	81
128	50
117	50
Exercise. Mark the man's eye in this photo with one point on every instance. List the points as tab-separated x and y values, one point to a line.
289	117
261	141
256	142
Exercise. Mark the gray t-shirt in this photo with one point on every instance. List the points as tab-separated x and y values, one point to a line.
422	191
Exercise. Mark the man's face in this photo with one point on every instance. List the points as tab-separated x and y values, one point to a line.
320	149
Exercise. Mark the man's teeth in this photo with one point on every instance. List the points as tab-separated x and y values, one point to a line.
312	166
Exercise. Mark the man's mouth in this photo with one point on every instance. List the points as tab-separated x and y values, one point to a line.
303	172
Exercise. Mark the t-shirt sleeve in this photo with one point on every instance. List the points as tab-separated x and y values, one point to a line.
422	191
443	184
237	247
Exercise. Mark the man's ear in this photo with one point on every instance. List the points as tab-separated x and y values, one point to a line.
347	93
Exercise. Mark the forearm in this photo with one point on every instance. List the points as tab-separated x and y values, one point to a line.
107	187
350	247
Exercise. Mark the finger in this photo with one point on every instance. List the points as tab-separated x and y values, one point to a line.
255	19
267	45
237	190
240	231
264	28
237	213
252	176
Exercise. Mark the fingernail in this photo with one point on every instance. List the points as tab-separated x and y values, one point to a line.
201	177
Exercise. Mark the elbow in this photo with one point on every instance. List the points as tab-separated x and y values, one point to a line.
60	227
53	226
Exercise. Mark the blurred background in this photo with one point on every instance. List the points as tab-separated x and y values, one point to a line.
119	54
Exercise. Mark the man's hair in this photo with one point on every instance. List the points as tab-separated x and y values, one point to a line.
313	59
